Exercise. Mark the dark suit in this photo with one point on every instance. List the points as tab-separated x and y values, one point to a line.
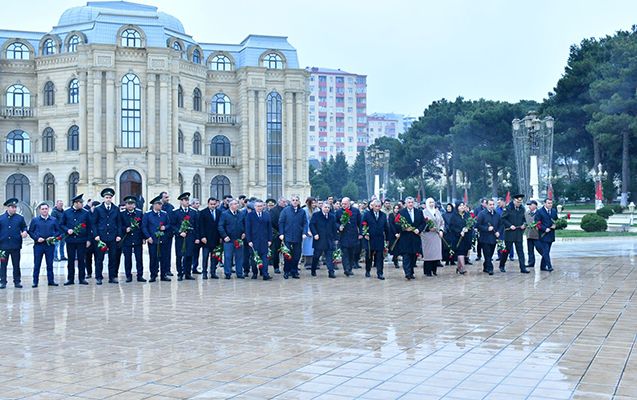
348	238
487	237
159	250
275	213
168	237
293	225
326	228
378	231
409	243
43	228
547	218
132	241
514	216
11	228
107	228
209	230
259	233
184	246
76	243
232	227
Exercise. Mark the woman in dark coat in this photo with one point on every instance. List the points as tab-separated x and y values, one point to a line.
449	210
461	235
394	252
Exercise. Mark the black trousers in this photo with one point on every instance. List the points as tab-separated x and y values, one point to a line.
518	249
375	258
206	257
349	257
76	251
291	267
112	260
128	252
479	249
15	261
487	251
89	256
409	262
276	245
430	267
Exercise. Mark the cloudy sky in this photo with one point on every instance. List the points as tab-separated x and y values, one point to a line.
413	51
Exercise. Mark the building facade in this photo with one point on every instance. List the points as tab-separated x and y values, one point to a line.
337	117
380	125
118	95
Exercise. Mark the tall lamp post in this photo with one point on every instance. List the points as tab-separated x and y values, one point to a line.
376	169
533	145
400	189
631	208
599	176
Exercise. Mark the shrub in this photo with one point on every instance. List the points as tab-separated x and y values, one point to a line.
617	209
561	223
605	212
593	223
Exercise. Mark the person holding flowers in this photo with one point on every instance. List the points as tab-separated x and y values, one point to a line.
460	228
76	225
514	223
210	241
13	229
375	231
408	224
184	224
106	234
546	216
130	221
259	238
431	237
323	228
45	232
532	232
488	225
156	230
349	220
293	228
232	232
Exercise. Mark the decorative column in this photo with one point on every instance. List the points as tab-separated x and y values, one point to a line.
83	136
262	136
287	139
110	127
252	133
172	172
97	150
165	153
301	164
151	133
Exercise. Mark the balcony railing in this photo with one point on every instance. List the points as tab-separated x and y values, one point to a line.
221	161
222	119
17	112
17	158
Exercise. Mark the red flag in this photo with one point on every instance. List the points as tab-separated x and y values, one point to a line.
466	196
599	195
508	198
549	193
418	197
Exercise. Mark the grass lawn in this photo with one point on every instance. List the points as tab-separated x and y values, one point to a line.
577	234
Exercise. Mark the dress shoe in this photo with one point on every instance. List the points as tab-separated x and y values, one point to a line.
313	272
285	275
205	276
64	259
367	274
502	269
153	280
524	271
478	258
408	277
113	280
544	269
18	285
98	281
428	274
53	284
468	262
164	279
241	277
277	270
88	276
254	276
67	283
296	276
190	278
228	276
490	272
34	285
196	271
169	274
84	282
382	278
550	269
56	259
331	275
214	276
141	279
181	278
129	279
267	278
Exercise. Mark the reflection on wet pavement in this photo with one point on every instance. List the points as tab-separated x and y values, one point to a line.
566	334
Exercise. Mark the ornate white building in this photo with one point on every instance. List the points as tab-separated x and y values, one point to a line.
117	94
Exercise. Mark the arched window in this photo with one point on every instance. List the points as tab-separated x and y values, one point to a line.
48	140
49	187
219	186
18	96
73	142
274	128
49	47
220	63
131	111
196	144
273	61
131	38
196	186
196	99
180	96
18	186
196	56
74	91
220	146
74	180
73	42
18	142
177	46
180	181
17	51
49	94
130	184
180	141
220	104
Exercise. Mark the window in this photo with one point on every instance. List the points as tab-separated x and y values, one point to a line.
73	42
180	141
17	51
18	96
273	61
219	186
131	112
180	96
73	140
48	140
131	38
196	187
177	46
220	146
196	144
274	128
74	91
49	47
220	104
18	186
196	99
220	63
49	94
49	187
180	181
74	180
196	56
18	142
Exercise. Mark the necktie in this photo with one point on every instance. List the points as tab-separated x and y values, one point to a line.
376	215
213	215
411	214
108	208
326	216
259	214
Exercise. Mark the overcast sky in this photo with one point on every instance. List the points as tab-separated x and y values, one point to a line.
413	51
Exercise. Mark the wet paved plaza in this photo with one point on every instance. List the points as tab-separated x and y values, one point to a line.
561	335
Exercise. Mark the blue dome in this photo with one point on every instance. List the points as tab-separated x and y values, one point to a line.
171	22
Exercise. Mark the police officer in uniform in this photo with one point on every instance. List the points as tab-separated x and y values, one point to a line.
514	222
130	224
77	226
106	229
154	222
168	237
183	252
44	230
13	229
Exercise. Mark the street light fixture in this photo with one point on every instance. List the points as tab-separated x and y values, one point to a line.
631	208
598	176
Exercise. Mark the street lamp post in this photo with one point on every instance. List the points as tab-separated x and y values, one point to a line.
400	189
466	185
376	163
533	145
631	208
599	176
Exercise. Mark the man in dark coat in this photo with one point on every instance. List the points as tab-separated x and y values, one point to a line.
377	234
130	225
547	217
168	237
156	227
349	235
232	232
532	234
477	211
293	228
77	226
13	229
409	243
514	223
106	230
275	213
323	228
184	225
488	224
209	236
259	237
43	229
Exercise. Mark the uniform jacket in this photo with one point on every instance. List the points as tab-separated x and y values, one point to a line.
177	217
151	221
106	222
511	216
71	218
326	228
135	236
10	229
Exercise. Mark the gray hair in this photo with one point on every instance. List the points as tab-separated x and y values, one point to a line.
409	198
233	201
375	202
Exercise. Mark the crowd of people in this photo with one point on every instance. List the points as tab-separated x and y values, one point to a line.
246	236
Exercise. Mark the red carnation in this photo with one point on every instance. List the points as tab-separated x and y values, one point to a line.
161	224
104	249
187	218
348	211
473	215
58	238
568	216
137	219
397	219
83	225
364	223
